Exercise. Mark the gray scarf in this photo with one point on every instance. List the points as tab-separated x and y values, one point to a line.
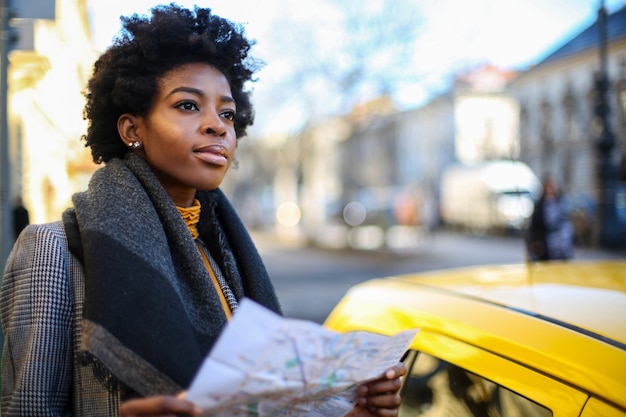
151	312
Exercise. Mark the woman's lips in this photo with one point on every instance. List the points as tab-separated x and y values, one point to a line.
213	154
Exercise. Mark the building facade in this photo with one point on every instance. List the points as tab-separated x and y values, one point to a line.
46	78
559	125
380	167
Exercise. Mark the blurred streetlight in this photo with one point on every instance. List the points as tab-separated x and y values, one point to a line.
7	38
610	234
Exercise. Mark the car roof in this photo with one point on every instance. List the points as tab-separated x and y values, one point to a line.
588	296
563	319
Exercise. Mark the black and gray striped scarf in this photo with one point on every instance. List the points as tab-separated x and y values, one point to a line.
151	313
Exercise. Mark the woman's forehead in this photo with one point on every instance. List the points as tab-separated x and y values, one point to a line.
197	75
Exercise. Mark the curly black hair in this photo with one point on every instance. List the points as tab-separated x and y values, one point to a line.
125	76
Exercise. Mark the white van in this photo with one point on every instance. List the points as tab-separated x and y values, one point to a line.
487	196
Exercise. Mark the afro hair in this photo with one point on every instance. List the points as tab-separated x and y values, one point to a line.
125	77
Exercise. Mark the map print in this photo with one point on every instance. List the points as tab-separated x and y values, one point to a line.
266	365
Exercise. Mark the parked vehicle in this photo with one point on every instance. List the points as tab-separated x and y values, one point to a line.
489	196
543	339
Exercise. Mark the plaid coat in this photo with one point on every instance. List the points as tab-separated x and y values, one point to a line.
81	339
41	303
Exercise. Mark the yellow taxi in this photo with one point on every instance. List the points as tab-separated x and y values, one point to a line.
534	339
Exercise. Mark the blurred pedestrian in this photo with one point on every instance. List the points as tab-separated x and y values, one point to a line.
20	217
550	233
112	309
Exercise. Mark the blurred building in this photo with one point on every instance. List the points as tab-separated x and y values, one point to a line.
48	70
394	164
558	127
376	170
371	178
486	116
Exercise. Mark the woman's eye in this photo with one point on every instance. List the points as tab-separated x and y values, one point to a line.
230	115
188	105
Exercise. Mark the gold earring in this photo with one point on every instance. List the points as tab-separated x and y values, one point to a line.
134	145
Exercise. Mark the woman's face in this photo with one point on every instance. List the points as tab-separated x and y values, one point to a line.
188	136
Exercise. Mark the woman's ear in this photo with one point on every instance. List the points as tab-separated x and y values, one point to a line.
127	127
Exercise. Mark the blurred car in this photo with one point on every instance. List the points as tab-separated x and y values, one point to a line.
535	339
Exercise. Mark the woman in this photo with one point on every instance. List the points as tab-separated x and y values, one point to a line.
111	310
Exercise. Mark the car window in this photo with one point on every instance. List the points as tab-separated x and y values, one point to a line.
434	387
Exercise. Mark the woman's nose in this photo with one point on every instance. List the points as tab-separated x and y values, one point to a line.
214	125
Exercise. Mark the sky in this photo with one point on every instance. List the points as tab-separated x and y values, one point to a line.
510	34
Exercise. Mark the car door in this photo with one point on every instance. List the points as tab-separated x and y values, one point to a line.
448	377
598	408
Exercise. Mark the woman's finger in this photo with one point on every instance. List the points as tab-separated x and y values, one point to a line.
158	406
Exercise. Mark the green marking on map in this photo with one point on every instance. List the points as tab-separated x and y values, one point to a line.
291	363
332	379
253	409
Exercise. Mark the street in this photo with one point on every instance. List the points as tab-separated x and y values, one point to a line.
310	281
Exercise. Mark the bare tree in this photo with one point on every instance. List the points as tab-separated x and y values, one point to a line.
327	56
323	58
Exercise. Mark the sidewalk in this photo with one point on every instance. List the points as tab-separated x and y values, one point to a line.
268	240
598	253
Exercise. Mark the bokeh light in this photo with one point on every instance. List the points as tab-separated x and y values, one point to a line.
288	214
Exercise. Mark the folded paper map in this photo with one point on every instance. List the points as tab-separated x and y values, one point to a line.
267	365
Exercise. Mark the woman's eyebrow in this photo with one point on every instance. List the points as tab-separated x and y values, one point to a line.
196	91
184	89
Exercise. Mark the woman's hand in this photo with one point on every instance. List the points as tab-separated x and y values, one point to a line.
380	397
159	406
